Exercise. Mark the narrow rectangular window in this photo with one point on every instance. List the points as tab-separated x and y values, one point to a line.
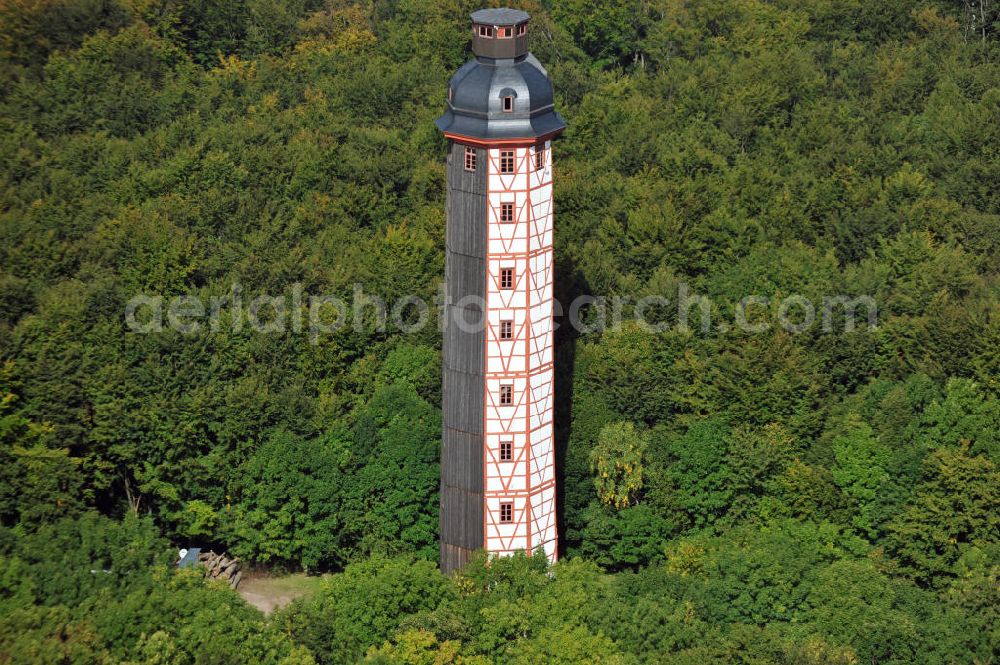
506	161
470	159
506	330
539	157
507	212
506	513
506	451
506	395
506	278
522	29
508	104
504	33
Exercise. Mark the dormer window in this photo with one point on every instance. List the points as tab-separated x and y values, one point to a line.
505	32
508	104
485	31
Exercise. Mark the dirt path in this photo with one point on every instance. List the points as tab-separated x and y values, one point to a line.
270	593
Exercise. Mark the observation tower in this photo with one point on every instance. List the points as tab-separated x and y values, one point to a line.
497	455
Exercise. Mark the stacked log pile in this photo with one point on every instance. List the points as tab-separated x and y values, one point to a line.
221	567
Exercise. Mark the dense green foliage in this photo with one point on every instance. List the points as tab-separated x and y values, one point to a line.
727	496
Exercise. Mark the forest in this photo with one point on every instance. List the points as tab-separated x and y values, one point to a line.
765	498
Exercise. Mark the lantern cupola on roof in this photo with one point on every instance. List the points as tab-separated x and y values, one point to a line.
504	93
500	33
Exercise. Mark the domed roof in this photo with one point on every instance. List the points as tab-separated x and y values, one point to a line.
476	100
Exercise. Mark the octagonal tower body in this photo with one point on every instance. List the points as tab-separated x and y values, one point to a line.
498	457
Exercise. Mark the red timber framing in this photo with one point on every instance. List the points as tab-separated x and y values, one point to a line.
521	488
503	143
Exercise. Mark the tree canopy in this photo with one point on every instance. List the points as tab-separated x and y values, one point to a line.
726	495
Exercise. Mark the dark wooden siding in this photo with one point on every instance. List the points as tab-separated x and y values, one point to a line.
464	364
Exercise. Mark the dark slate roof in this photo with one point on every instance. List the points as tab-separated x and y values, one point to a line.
502	16
478	88
190	559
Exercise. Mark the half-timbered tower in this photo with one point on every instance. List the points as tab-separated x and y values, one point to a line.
498	458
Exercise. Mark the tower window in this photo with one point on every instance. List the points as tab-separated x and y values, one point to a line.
506	395
506	161
506	278
506	513
522	29
506	330
506	451
505	32
508	104
470	159
506	212
485	31
539	157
